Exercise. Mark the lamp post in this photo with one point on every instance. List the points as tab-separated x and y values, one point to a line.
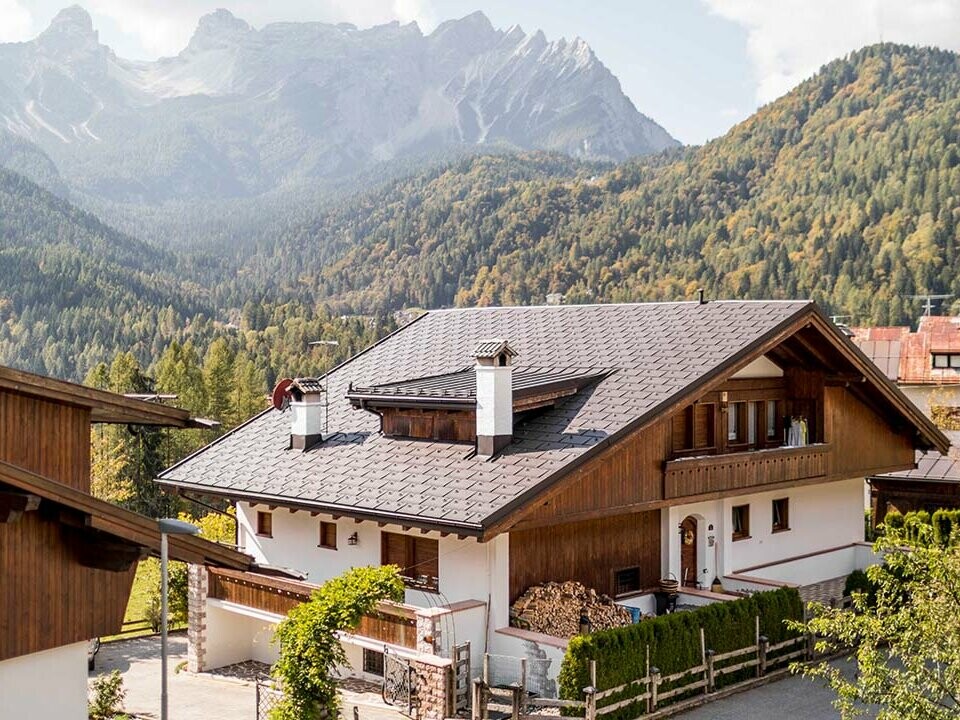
168	526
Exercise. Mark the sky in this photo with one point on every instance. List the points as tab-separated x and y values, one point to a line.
697	67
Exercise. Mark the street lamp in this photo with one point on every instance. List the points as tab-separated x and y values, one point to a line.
168	526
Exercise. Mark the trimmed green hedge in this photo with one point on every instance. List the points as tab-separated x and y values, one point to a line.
943	522
674	642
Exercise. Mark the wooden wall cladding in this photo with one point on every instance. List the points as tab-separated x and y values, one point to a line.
627	473
47	438
47	599
862	440
447	425
588	552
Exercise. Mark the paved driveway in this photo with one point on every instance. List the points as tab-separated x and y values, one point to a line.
199	697
793	698
191	697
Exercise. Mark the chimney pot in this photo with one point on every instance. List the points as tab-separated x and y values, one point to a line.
494	375
308	409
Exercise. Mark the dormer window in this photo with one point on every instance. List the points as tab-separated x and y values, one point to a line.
942	361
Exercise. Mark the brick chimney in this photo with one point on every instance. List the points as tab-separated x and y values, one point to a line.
308	408
494	370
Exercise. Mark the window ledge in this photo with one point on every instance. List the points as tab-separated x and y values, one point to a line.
738	538
780	530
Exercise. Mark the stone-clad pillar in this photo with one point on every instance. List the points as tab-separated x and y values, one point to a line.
197	590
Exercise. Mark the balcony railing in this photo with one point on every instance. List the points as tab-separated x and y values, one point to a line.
392	623
736	471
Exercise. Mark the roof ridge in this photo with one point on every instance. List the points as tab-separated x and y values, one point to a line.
726	301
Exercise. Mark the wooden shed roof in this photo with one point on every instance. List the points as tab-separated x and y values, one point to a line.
105	407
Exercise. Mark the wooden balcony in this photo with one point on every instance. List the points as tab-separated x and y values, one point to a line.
736	471
393	623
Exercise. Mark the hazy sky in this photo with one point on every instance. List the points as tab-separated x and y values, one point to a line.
694	66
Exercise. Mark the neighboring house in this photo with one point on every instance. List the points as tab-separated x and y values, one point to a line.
484	451
67	559
926	366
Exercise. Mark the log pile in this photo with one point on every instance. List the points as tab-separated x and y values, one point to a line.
555	609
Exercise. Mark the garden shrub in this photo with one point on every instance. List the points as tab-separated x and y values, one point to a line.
107	700
674	643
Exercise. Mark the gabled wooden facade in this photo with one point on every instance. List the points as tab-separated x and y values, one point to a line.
714	443
67	560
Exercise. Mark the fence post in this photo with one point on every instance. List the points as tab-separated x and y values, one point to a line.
762	655
809	643
486	668
711	678
756	641
654	686
515	709
590	703
703	661
649	684
476	703
523	680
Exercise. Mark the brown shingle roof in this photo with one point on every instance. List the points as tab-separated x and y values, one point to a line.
933	466
659	351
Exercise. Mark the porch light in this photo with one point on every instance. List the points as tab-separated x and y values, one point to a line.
353	539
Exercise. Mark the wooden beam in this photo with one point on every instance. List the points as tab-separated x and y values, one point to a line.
14	504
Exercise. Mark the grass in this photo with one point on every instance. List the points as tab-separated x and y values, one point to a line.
145	582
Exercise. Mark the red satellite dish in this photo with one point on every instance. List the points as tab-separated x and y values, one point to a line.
281	394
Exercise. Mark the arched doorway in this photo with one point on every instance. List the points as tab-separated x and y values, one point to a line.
689	573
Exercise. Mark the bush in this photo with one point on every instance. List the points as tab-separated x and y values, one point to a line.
674	643
107	700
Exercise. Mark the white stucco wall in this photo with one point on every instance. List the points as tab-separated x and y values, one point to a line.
821	517
49	685
923	396
465	572
236	634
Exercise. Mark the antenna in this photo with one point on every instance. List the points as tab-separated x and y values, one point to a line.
836	319
928	301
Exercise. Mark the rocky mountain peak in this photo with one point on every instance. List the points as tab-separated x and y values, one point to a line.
70	31
218	29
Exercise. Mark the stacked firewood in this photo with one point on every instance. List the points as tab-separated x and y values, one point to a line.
556	608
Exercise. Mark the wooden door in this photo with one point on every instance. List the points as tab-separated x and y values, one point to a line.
689	572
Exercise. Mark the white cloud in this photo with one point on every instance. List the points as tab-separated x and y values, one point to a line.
163	27
16	23
788	40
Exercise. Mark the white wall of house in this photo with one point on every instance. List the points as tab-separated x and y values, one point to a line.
236	634
466	572
821	517
926	396
48	685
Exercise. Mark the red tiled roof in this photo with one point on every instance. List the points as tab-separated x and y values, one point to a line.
906	356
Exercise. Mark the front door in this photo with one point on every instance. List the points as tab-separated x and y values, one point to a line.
688	552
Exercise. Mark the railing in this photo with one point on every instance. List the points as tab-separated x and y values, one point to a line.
392	623
734	471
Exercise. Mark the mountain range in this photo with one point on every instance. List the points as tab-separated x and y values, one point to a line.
242	112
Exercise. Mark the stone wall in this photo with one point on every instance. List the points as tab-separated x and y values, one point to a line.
197	589
434	688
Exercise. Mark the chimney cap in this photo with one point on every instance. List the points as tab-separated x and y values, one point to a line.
489	349
308	385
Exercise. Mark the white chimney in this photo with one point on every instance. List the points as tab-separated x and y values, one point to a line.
494	371
308	408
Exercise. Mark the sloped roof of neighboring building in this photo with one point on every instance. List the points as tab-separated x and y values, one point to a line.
934	466
906	356
662	353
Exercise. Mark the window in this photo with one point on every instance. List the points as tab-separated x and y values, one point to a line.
373	662
417	557
328	535
946	360
737	421
264	524
752	423
741	522
771	418
781	515
626	581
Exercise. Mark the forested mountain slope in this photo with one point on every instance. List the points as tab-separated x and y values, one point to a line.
846	190
73	290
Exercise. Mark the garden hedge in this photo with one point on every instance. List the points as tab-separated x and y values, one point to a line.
943	522
674	642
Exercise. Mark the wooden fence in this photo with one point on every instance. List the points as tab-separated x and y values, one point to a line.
652	692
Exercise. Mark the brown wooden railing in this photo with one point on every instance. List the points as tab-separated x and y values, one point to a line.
393	623
735	471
